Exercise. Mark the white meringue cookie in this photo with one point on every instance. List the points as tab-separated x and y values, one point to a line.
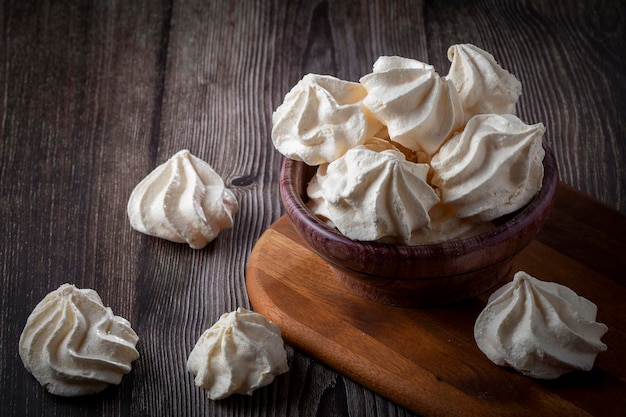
182	200
321	118
419	108
73	345
492	168
445	227
373	196
241	352
483	85
541	329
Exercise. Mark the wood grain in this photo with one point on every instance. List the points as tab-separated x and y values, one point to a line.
426	359
93	95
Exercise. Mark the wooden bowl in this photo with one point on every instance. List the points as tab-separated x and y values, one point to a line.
422	275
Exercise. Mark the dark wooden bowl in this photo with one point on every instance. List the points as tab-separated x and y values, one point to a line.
423	275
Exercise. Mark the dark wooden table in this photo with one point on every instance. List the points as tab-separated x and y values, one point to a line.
95	94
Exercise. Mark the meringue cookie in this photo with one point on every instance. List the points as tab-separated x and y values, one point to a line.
445	227
483	85
492	168
541	329
182	200
241	352
73	345
419	108
373	196
321	118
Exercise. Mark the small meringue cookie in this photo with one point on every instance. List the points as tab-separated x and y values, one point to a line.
241	352
373	196
541	329
182	200
74	346
419	108
492	168
483	85
321	118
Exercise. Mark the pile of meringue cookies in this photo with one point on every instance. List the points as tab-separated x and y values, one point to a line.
405	157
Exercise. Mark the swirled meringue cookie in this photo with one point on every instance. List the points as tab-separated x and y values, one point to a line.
419	108
541	329
241	352
492	168
182	200
373	196
73	345
483	85
321	118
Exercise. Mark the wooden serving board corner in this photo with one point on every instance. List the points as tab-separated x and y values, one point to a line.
426	359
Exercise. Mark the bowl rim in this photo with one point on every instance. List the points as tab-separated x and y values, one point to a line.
522	219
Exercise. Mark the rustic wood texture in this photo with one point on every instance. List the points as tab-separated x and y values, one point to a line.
93	95
426	359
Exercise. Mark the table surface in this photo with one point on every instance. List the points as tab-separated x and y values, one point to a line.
94	95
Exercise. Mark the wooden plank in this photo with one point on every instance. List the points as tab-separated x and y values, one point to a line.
427	359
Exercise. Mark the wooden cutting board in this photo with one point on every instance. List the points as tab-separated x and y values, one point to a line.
426	359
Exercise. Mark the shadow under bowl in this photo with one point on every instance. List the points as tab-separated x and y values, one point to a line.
421	275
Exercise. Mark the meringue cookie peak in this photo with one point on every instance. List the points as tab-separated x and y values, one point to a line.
73	345
419	108
492	168
373	196
241	352
483	85
541	329
182	200
321	118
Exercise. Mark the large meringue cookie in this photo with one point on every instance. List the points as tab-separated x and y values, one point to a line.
73	345
182	200
419	108
492	168
321	118
483	85
541	329
373	196
241	352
